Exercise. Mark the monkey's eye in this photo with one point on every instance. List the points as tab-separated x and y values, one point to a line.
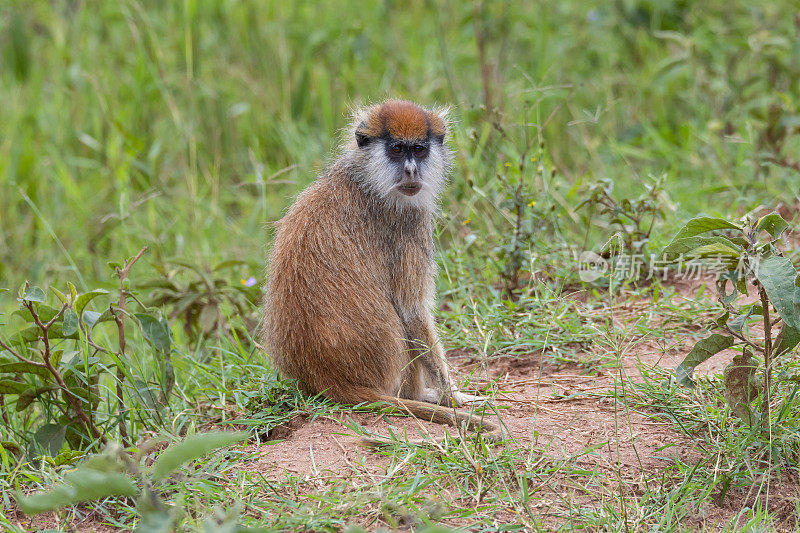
419	150
397	149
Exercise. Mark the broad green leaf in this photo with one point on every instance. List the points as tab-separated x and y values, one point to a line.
32	334
56	331
191	448
11	447
690	246
90	318
8	386
702	351
92	484
741	285
788	337
69	326
25	399
45	312
773	223
58	497
60	295
85	394
82	484
103	462
51	438
33	294
87	297
740	241
67	457
741	385
700	225
155	331
55	357
25	336
24	368
737	323
716	249
776	275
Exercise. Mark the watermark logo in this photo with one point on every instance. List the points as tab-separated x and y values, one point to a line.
591	266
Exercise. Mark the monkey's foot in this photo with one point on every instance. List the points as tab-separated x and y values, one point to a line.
462	398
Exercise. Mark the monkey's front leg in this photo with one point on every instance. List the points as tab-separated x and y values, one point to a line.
425	347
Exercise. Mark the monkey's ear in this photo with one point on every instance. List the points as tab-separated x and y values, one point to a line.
361	139
439	119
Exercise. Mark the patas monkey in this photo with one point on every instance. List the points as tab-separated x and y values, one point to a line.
351	276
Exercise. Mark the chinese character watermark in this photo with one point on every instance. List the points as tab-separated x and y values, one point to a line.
630	267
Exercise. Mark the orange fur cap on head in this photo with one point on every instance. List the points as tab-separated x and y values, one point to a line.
400	119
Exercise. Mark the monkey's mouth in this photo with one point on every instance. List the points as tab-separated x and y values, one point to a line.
410	188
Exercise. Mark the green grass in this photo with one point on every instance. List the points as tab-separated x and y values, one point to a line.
188	127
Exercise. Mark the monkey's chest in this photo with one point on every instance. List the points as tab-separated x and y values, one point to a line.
411	271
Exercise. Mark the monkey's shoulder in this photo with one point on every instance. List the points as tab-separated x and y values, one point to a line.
324	215
320	198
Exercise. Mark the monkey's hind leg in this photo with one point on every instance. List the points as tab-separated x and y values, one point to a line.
427	351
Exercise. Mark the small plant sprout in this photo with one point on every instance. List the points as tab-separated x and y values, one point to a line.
203	298
632	218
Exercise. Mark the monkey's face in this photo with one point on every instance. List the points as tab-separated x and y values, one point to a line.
404	154
407	173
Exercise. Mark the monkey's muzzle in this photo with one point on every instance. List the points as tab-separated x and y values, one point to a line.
409	188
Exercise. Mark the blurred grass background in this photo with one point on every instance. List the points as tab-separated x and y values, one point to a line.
187	126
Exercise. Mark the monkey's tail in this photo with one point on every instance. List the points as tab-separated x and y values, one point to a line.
438	414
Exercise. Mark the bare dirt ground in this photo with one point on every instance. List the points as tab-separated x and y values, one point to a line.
82	521
560	410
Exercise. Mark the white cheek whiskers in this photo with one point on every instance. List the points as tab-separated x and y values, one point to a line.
382	177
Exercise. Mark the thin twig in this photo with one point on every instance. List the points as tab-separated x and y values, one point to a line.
119	318
3	410
767	357
20	357
739	336
71	398
784	162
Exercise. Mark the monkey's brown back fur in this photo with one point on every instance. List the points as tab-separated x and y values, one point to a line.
350	284
330	321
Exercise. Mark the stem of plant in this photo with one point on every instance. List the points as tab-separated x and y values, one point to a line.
20	357
71	398
767	358
119	318
3	410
